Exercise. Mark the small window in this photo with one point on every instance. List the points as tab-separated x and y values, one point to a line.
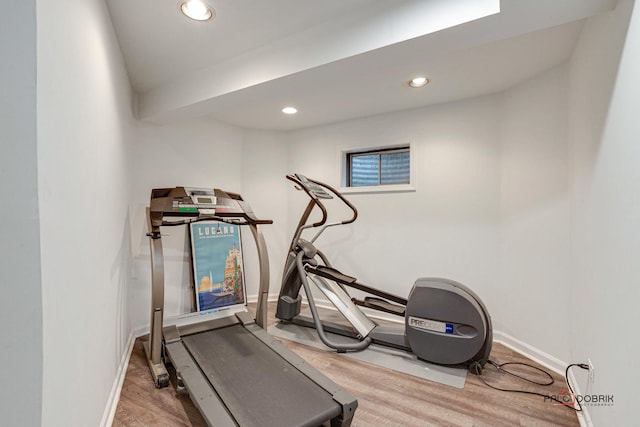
388	166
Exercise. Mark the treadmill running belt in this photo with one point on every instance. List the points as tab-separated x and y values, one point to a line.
259	387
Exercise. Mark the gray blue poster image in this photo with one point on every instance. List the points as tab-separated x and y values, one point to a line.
217	264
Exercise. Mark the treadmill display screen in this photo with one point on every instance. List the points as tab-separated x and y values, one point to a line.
205	200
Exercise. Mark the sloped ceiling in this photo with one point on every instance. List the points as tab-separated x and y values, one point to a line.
335	59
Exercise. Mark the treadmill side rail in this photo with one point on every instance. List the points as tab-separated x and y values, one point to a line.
183	353
212	408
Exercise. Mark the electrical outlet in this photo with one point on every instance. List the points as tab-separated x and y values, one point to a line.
592	372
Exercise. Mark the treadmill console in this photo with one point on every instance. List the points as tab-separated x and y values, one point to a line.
200	200
200	203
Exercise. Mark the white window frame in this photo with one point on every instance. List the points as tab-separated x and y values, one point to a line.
395	188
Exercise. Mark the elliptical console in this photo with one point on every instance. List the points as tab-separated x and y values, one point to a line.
445	322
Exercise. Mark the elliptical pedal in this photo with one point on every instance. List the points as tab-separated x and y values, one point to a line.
381	305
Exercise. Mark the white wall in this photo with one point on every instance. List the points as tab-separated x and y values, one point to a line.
84	139
264	166
534	239
605	184
448	227
21	302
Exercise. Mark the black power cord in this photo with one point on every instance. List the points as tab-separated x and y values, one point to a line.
566	376
476	368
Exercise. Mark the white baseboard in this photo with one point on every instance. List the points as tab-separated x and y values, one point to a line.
116	388
583	417
533	353
548	361
254	298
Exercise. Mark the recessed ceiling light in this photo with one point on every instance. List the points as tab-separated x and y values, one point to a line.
418	82
196	10
289	110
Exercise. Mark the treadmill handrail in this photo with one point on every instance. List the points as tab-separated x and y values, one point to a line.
228	220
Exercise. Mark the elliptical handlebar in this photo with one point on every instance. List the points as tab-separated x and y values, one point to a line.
316	191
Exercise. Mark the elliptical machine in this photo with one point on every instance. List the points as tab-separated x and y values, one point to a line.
444	321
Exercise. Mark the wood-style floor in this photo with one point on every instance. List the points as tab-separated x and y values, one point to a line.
385	397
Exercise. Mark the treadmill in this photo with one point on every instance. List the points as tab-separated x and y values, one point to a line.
235	373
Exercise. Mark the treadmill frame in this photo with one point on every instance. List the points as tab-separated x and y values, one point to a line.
166	342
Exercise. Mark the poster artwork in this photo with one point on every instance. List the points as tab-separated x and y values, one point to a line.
217	264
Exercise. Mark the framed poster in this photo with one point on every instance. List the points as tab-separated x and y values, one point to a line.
218	271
